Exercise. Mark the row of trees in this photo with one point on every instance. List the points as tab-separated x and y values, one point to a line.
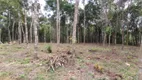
98	21
14	21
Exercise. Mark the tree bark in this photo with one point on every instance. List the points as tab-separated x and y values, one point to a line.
50	34
109	38
115	40
140	37
23	34
26	28
67	35
75	22
58	22
19	33
13	30
84	35
36	39
104	39
45	35
84	28
122	38
141	42
35	24
31	32
9	35
0	36
127	37
78	35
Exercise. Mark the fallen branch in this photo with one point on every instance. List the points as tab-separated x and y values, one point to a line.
60	60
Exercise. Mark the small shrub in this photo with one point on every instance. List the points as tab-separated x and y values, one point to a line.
48	48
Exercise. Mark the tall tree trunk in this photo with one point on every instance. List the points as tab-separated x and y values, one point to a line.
78	34
35	24
84	35
9	23
50	34
9	35
115	40
13	31
0	35
127	37
23	33
31	32
141	42
58	22
122	38
26	28
104	39
67	35
122	25
19	33
117	9
140	38
45	35
109	38
84	28
75	22
97	36
36	39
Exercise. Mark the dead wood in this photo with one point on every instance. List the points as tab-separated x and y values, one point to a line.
60	60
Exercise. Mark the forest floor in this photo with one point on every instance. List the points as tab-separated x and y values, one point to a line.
91	62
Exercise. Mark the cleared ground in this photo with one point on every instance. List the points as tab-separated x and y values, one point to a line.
91	62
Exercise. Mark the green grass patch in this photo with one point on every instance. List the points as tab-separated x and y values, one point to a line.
98	49
49	49
22	77
2	74
40	77
24	61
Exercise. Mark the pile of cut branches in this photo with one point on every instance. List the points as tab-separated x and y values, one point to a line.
60	60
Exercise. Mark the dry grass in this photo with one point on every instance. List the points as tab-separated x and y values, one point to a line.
17	63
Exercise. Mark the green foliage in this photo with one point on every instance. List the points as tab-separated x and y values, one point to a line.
25	61
49	49
5	73
99	49
22	77
72	78
40	77
108	30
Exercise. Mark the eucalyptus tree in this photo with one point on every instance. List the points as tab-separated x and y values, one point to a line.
75	21
121	5
35	9
89	17
58	22
135	12
0	35
44	31
10	8
84	21
66	18
25	10
51	5
105	9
